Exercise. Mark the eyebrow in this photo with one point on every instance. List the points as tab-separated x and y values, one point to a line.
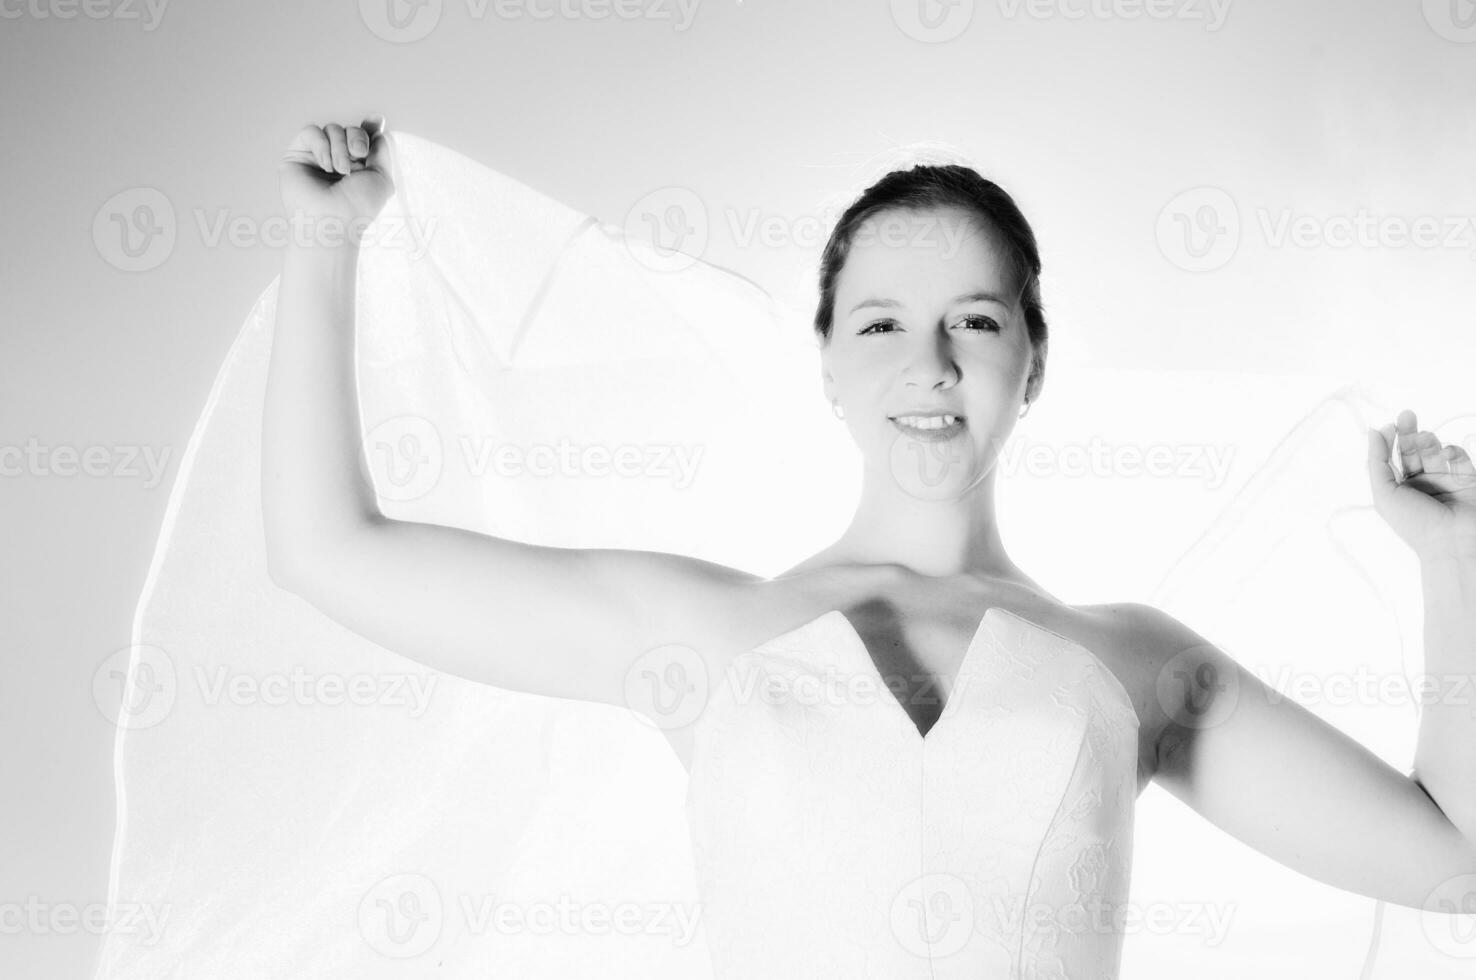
974	297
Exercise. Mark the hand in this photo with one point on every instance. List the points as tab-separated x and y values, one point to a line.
1433	508
329	171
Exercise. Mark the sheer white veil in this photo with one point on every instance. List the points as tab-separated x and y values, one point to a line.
296	801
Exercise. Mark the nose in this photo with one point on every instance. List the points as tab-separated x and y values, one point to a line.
930	362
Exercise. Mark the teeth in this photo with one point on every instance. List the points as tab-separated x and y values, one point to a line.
928	422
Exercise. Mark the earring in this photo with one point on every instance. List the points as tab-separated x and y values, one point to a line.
837	411
1025	411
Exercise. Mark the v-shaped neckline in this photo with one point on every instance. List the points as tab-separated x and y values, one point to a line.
857	646
863	653
947	707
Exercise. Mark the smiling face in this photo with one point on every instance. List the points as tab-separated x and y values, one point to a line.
927	322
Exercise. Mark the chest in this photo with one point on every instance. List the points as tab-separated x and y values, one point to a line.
916	658
1025	722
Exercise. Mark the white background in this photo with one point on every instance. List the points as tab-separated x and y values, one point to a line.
1097	116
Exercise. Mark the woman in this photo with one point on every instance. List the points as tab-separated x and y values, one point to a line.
962	805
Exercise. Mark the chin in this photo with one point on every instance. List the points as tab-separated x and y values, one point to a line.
930	470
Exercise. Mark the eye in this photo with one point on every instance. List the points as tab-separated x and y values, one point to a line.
982	322
871	326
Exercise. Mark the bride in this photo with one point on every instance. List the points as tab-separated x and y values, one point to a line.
958	802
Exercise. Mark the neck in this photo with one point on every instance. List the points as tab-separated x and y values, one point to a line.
935	538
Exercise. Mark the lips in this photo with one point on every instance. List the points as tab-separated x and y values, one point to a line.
928	426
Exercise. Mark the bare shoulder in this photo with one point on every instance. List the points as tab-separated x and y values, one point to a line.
1143	645
1145	633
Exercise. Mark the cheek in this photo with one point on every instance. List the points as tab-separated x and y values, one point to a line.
862	371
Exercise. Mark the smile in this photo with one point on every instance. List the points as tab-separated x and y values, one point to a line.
930	428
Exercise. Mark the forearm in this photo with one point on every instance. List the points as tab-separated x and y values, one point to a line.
1445	758
315	481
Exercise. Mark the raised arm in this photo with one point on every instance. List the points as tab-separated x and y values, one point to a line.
562	622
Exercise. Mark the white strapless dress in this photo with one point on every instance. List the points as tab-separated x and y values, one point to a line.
832	839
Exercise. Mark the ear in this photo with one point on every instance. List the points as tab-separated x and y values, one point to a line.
1035	379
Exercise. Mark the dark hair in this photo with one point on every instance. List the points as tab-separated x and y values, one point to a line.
931	186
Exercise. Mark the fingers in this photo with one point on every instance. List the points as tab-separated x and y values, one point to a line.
338	141
315	141
349	145
1432	455
1379	470
1409	448
358	143
342	150
379	153
1421	452
1460	461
